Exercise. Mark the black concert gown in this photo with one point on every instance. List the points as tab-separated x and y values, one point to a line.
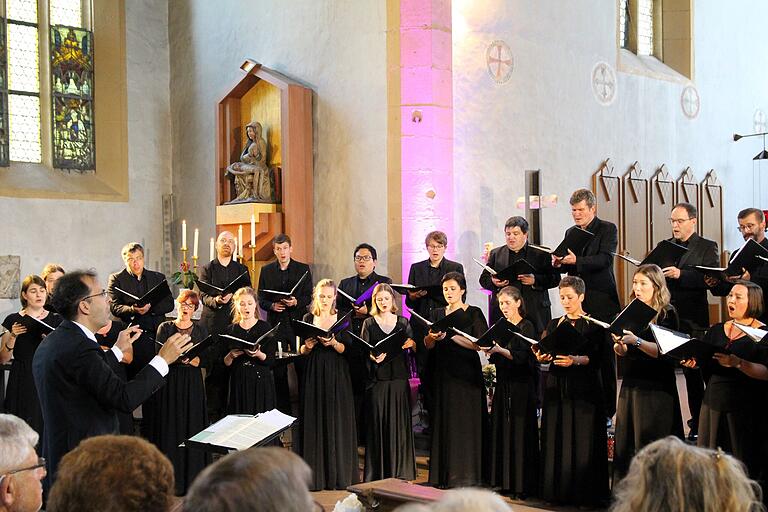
460	420
180	410
514	429
328	430
574	446
389	451
21	394
251	384
649	406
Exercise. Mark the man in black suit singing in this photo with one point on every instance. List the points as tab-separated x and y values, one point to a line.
80	394
137	280
594	265
689	294
533	286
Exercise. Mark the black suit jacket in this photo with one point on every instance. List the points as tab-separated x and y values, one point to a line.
272	278
422	274
689	292
595	266
217	317
80	394
536	297
349	285
144	347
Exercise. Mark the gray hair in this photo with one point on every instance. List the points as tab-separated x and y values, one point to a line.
470	500
18	440
583	194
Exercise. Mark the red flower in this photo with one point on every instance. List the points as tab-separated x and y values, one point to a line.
184	266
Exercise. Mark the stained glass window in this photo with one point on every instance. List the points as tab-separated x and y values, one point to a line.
70	56
72	97
624	23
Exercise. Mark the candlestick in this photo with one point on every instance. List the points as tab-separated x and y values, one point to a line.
213	253
184	235
197	236
184	254
253	231
194	263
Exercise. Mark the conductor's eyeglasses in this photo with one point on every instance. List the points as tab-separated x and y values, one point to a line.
102	293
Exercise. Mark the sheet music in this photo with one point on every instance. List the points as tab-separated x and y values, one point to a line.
242	432
668	340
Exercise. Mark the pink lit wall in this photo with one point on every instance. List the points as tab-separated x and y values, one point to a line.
427	125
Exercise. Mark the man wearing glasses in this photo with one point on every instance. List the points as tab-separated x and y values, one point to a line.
365	258
80	393
689	294
21	470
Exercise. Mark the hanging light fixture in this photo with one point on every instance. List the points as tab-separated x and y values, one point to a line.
763	155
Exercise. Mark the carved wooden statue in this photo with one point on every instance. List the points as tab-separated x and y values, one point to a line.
254	181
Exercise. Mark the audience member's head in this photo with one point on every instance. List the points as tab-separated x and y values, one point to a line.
462	500
116	473
274	478
671	476
21	471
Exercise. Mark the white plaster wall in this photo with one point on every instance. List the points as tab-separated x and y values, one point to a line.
337	48
546	117
87	234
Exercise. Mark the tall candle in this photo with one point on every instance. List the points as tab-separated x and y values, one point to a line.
213	244
234	256
197	235
183	235
239	239
253	231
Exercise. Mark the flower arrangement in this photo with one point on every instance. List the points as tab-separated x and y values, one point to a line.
185	277
489	375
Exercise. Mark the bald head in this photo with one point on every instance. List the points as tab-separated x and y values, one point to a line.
225	246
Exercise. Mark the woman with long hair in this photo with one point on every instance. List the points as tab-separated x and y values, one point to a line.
329	434
648	407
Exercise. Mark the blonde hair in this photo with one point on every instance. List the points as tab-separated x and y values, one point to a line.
323	283
661	296
671	476
246	290
382	288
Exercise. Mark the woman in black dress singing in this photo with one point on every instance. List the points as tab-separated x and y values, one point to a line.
389	451
179	406
648	407
732	414
251	384
329	434
21	394
573	437
514	428
460	408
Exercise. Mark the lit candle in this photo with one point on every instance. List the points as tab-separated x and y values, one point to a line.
213	244
239	239
197	236
298	342
253	231
279	349
183	235
236	253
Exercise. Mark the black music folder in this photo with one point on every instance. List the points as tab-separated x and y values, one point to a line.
36	327
434	291
499	333
240	343
444	324
666	254
199	347
564	340
510	273
240	281
241	431
748	257
274	294
634	318
576	239
392	345
154	296
306	330
362	299
678	345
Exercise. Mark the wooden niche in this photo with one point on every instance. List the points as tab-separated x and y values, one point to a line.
284	109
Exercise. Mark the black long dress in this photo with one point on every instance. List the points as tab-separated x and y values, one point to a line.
649	407
574	446
389	451
180	410
460	408
729	417
108	340
328	430
514	428
251	384
21	394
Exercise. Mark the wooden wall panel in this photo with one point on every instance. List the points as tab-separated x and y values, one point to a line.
606	185
688	191
635	226
711	227
661	198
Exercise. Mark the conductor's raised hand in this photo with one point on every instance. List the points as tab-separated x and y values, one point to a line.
174	347
125	340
